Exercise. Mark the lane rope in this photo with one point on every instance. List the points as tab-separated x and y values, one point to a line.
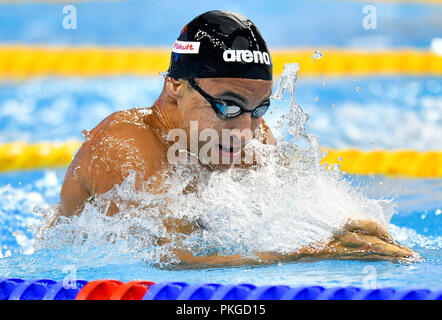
47	289
22	62
22	156
407	163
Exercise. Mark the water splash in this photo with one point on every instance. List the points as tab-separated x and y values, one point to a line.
163	74
316	55
295	120
288	201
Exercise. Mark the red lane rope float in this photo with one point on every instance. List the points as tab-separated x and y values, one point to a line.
98	290
133	290
114	290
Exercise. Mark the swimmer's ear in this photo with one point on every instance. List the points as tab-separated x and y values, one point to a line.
175	88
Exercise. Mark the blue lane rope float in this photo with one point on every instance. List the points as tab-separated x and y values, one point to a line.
436	295
233	292
47	289
268	293
303	293
39	289
32	289
64	291
179	290
7	286
419	294
346	293
165	291
199	292
376	294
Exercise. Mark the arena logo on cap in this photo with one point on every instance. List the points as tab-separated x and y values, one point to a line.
192	47
246	56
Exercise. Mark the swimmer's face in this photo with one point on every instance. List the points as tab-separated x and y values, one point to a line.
233	133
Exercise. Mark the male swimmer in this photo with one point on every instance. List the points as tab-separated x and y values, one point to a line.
220	77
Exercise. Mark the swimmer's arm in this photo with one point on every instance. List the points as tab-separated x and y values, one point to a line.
73	192
360	240
381	251
188	260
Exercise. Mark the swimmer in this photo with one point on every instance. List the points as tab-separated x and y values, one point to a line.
220	77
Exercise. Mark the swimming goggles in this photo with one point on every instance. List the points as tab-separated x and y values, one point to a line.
228	110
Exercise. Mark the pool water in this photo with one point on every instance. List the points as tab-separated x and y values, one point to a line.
141	23
372	116
365	113
417	228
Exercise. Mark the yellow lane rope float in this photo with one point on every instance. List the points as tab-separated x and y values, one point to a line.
20	155
21	62
407	163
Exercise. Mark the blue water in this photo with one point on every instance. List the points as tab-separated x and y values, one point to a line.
58	109
365	113
283	23
420	229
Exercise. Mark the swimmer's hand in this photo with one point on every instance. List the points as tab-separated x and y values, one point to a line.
358	240
365	240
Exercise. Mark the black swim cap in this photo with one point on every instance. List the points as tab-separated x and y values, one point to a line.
220	44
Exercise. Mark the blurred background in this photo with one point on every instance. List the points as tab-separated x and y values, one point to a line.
284	23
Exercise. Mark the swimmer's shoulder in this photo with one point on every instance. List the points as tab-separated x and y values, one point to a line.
119	121
120	143
126	132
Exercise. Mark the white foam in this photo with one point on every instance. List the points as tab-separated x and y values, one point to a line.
412	239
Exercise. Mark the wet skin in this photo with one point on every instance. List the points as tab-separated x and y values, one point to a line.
134	140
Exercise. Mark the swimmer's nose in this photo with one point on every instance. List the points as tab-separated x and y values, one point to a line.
239	130
243	121
236	140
